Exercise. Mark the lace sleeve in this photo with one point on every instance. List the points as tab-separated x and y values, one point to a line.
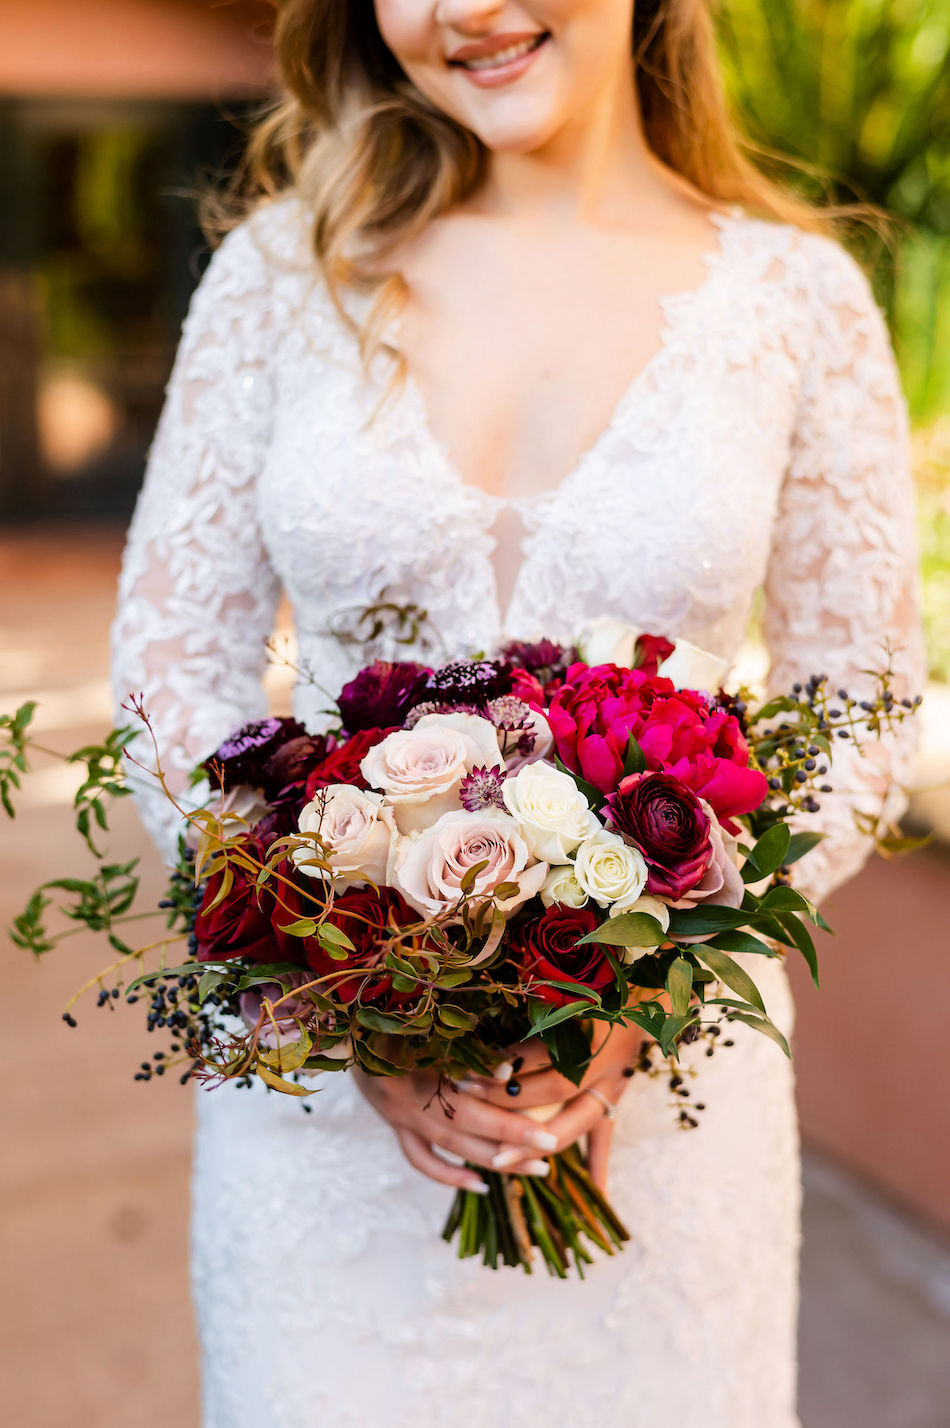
842	578
197	595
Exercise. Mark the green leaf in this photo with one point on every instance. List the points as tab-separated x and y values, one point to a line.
673	1027
679	984
330	936
768	853
289	1088
634	760
629	929
801	843
803	940
467	882
378	1021
766	1027
456	1017
303	927
789	900
730	973
208	982
699	921
741	942
570	1050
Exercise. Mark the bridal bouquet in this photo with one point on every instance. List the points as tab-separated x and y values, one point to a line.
478	854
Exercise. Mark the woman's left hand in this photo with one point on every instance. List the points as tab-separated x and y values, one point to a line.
615	1050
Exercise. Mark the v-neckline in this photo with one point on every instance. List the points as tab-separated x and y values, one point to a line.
673	308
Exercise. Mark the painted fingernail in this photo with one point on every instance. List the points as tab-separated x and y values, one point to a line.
502	1071
536	1167
544	1140
478	1187
470	1087
505	1157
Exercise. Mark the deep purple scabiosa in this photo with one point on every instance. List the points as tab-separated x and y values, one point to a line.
245	753
382	694
470	681
481	789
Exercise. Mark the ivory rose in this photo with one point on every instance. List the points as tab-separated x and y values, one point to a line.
552	813
357	830
428	869
420	770
612	873
561	886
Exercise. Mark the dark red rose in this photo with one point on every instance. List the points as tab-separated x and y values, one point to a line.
240	925
244	754
369	919
286	770
280	821
382	694
342	765
650	652
664	819
550	952
293	900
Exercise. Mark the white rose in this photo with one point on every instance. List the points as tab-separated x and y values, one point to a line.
610	871
608	641
689	667
429	868
551	811
421	769
357	830
562	886
653	907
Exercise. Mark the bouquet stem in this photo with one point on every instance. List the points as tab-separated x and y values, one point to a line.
523	1215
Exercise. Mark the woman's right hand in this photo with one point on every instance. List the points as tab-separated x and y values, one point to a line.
416	1109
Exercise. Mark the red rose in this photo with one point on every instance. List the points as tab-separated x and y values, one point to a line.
665	820
550	952
240	925
342	765
369	919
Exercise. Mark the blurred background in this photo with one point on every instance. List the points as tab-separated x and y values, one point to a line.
112	112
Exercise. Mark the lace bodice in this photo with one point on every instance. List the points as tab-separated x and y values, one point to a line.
764	444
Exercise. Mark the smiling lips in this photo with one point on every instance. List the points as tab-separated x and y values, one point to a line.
498	59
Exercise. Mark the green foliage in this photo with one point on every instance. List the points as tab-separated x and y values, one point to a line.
859	92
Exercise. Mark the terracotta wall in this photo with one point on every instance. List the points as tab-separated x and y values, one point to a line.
179	49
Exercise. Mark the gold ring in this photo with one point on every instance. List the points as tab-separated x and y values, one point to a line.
610	1110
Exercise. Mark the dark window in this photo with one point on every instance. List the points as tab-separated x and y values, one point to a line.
99	253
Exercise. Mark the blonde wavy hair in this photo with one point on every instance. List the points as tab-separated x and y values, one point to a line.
375	162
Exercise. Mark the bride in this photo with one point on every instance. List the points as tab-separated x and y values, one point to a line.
516	336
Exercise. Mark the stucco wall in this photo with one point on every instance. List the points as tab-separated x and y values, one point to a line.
139	48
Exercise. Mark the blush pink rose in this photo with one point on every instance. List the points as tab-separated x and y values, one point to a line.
429	868
421	770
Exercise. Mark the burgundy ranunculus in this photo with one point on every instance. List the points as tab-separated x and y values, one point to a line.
650	652
240	925
664	819
382	694
550	952
342	765
286	770
368	918
244	754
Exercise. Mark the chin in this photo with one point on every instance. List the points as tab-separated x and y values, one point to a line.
514	133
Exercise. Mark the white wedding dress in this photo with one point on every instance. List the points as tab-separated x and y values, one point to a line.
764	444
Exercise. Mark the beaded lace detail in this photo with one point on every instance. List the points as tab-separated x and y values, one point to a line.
764	445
